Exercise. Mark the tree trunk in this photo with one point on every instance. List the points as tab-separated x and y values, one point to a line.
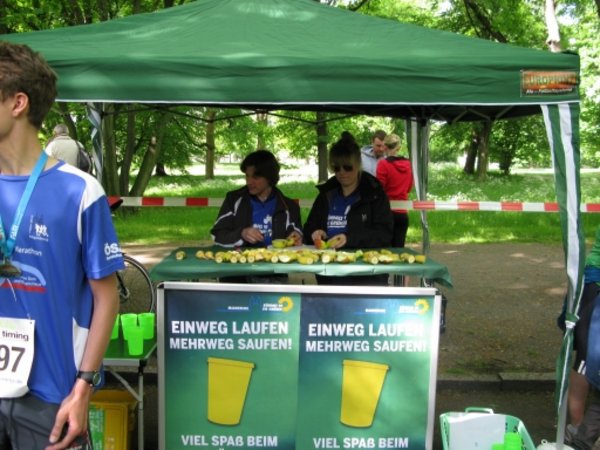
3	28
110	178
209	164
160	171
553	40
469	167
130	148
262	119
483	153
321	129
151	156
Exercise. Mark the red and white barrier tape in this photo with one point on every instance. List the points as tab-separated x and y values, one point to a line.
434	205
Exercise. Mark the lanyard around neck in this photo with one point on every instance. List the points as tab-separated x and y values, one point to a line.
8	244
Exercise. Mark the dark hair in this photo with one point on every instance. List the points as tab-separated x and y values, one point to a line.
345	150
265	165
26	71
379	134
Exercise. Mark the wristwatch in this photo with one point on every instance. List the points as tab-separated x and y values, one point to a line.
91	378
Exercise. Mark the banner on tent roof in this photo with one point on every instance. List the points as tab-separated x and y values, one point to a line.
546	82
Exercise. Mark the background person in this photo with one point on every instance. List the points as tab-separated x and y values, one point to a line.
57	278
62	146
352	207
372	154
584	427
395	175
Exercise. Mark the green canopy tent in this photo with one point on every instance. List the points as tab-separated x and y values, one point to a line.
299	54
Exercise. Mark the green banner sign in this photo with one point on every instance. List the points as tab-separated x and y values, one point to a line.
265	368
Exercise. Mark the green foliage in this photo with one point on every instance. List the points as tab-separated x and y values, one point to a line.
178	225
518	143
407	11
448	142
586	41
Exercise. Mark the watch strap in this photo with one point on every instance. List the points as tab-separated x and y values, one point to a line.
90	377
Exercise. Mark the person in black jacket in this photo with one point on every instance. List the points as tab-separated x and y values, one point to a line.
258	213
351	207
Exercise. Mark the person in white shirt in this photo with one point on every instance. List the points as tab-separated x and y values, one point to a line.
62	146
372	154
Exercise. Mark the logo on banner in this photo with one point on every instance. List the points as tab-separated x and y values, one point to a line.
420	306
548	82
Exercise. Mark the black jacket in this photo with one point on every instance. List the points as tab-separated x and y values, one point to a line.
236	214
370	219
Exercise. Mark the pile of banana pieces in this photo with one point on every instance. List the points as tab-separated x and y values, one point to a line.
303	256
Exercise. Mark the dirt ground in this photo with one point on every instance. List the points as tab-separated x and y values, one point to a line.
501	322
501	314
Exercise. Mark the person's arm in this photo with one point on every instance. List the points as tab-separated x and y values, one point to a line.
382	173
228	227
73	411
317	218
294	229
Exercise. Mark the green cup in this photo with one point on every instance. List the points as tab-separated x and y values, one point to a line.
115	331
147	321
135	341
499	446
127	321
512	441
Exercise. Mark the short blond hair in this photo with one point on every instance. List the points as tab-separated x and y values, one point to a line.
392	141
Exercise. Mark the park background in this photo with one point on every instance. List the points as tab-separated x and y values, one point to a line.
507	266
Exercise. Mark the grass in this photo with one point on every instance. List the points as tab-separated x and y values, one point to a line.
179	225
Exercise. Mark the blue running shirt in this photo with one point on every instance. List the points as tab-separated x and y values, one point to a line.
262	217
337	219
66	236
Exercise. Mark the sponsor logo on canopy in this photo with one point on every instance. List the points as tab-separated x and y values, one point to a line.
539	82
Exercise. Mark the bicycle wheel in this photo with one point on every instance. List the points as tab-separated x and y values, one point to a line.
136	291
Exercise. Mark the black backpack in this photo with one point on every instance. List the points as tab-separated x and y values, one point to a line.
84	162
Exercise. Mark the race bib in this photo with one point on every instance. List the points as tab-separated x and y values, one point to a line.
16	355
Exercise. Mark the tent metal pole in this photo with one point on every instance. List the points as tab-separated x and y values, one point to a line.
94	112
417	132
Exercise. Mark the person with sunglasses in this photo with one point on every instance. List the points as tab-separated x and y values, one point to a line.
352	208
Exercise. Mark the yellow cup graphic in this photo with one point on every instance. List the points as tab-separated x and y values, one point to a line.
228	382
362	382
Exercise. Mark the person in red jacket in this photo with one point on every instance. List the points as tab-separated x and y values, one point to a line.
395	175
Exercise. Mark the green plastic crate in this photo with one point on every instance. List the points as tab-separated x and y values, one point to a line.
474	421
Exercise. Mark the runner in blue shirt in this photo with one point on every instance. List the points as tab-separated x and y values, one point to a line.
59	255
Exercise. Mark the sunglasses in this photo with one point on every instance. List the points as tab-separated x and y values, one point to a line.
346	167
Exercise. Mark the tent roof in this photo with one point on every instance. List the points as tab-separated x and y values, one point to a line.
297	54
